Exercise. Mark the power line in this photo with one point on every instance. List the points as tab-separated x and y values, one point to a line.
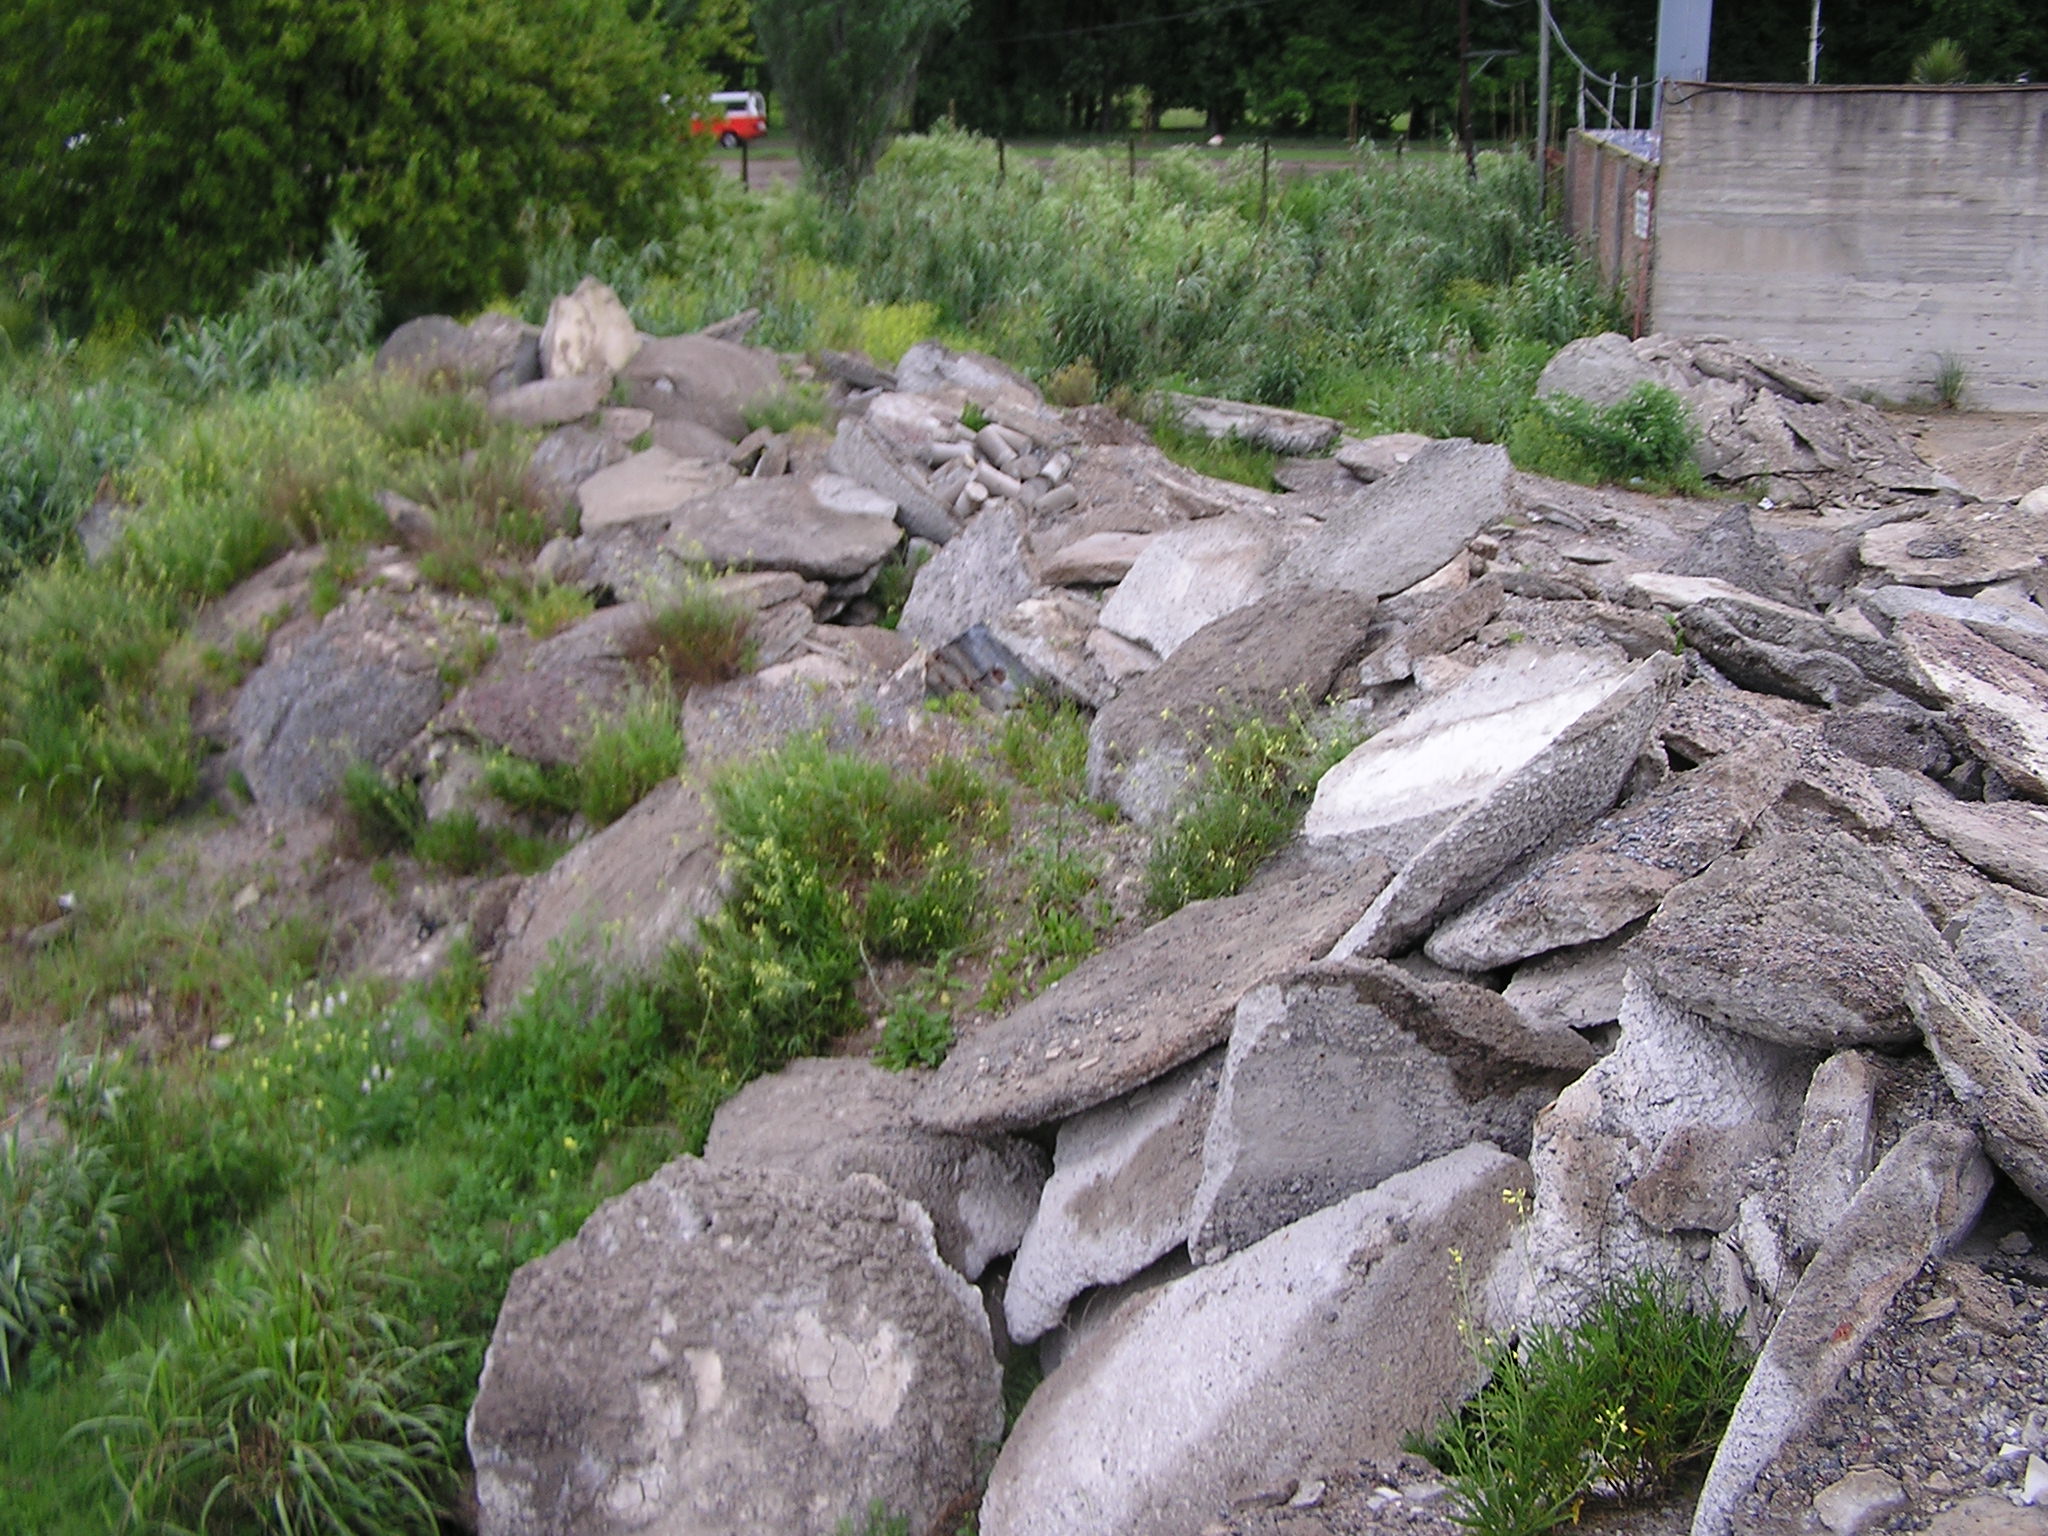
1142	21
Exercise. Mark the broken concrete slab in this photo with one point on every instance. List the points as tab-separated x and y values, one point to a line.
623	896
1374	458
1806	939
1094	560
1190	577
550	402
1999	702
1429	624
542	702
1331	1340
1997	1069
1836	1147
834	1117
2001	941
652	483
1964	546
2007	840
1573	776
2021	629
1132	1013
1262	426
1341	1075
1772	648
701	379
1124	1175
1572	988
741	1351
1923	1196
862	454
1399	788
974	578
1280	656
826	528
1050	635
1623	867
1669	1070
1396	531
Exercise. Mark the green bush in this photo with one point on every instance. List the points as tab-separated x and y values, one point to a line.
294	1397
1257	782
300	322
249	140
1613	1407
1644	440
914	1034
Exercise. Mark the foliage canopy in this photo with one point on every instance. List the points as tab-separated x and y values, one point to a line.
159	156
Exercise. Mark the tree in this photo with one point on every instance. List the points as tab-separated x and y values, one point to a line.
160	156
847	70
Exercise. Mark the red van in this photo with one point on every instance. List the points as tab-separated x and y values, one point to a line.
734	116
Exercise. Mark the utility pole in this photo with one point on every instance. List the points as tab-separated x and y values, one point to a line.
1813	47
1542	104
1465	86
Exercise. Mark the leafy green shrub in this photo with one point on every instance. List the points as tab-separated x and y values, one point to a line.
549	608
301	321
456	843
914	1034
628	753
1257	785
59	438
1061	918
1612	1407
387	816
293	1396
537	789
1645	439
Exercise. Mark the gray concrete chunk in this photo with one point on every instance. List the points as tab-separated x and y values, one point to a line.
1387	536
1806	939
1124	1174
1340	1076
1329	1341
1132	1013
1923	1196
1997	1069
746	1352
1574	777
833	1117
1622	869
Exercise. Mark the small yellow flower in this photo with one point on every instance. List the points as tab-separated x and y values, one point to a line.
569	1143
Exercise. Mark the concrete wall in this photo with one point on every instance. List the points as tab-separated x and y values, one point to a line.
1867	231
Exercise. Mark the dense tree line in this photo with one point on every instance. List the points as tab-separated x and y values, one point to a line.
1378	66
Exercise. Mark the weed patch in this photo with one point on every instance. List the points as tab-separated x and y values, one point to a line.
1257	784
627	754
695	634
1613	1407
1645	441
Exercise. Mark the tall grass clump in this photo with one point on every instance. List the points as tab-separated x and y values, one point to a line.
1255	787
1615	1407
293	1396
1643	440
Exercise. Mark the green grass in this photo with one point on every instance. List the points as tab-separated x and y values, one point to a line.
626	755
696	634
1644	441
1220	458
1614	1407
1256	784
